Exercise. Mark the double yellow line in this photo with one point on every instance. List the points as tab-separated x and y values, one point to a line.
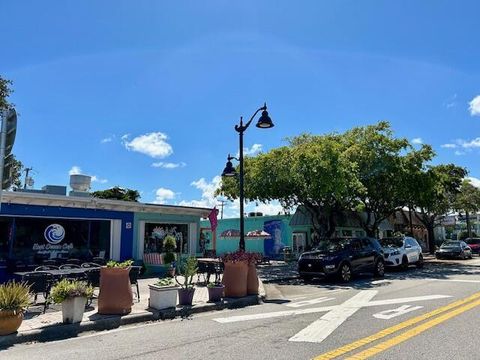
446	312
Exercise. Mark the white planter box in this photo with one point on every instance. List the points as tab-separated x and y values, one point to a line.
163	297
73	309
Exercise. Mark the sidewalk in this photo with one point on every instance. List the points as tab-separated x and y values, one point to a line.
37	326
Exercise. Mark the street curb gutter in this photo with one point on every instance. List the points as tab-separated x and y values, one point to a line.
65	331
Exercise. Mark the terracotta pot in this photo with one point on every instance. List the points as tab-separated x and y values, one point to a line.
185	296
10	322
115	297
252	280
215	293
235	279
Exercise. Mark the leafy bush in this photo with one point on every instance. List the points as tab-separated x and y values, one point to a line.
242	256
116	264
187	269
168	258
14	297
169	243
66	289
165	282
464	235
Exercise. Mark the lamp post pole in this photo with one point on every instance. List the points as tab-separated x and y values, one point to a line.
264	122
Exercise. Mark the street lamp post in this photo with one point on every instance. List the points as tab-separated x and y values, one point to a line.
264	122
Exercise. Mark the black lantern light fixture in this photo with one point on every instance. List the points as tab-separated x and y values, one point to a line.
264	122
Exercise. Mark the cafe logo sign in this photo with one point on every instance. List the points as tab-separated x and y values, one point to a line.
54	234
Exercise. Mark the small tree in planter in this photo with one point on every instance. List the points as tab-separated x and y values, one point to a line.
14	300
215	291
163	294
170	244
188	270
115	297
73	295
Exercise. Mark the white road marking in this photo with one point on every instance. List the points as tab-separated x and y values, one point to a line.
458	280
319	330
309	302
405	300
390	314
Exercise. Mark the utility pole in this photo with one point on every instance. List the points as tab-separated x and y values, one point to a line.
222	203
27	170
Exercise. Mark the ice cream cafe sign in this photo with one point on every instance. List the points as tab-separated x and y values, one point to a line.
54	234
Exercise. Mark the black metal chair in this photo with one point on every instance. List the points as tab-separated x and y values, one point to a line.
100	261
93	276
46	268
134	274
40	283
202	270
90	265
49	262
69	266
73	261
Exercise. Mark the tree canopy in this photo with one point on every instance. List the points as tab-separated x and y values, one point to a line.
5	91
117	193
366	169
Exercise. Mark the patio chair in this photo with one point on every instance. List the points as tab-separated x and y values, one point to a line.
203	268
93	276
49	262
46	268
134	274
40	283
100	261
90	265
73	261
69	266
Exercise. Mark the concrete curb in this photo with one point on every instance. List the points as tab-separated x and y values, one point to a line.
65	331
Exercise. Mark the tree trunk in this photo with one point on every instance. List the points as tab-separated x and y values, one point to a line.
369	231
469	227
431	238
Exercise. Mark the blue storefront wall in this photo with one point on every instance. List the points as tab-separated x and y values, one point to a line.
277	226
127	218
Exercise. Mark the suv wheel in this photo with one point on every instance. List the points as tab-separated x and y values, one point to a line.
420	261
345	272
404	263
379	270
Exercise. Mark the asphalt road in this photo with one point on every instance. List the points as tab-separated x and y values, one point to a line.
416	314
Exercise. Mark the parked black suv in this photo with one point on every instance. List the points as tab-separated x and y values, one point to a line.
342	257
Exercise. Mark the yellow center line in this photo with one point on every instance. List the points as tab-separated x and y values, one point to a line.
412	332
391	330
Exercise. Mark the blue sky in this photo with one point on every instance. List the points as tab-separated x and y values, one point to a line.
145	94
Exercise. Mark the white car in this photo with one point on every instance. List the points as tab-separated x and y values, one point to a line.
401	252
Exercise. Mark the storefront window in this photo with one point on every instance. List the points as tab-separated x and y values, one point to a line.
155	234
39	239
5	233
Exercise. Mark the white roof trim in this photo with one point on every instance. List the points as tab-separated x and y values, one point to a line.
101	204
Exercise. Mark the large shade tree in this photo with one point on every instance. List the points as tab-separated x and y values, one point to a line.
468	202
117	193
434	192
313	172
385	163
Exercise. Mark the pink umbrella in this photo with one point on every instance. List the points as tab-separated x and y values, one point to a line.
254	234
257	234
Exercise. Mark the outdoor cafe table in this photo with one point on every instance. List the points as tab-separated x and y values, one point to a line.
57	273
209	266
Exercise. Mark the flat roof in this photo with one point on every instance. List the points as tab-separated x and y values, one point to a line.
27	198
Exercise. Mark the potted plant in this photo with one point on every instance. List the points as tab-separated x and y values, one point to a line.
163	294
73	295
14	300
170	244
235	273
252	278
215	291
188	269
115	295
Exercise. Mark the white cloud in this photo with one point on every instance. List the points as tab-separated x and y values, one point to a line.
208	198
475	143
459	153
270	208
449	146
417	141
254	150
99	180
474	106
107	139
474	181
167	165
152	144
162	195
76	170
451	102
